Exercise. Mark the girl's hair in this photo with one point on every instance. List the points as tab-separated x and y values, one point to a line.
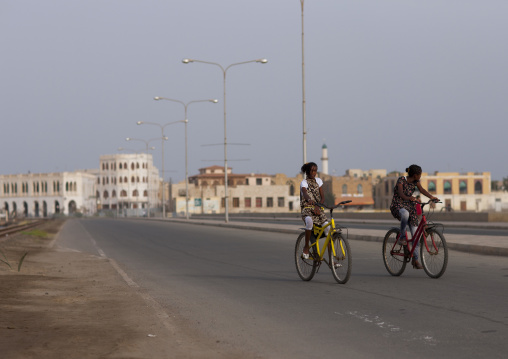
307	167
413	170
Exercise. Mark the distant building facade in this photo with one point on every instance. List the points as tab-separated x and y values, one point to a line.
127	181
248	193
458	191
47	194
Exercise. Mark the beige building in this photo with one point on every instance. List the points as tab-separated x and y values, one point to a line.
458	191
248	193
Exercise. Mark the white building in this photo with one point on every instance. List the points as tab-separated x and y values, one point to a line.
127	181
46	194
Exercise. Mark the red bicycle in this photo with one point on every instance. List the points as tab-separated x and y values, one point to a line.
433	248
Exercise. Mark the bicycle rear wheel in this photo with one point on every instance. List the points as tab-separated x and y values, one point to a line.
341	264
393	253
435	258
306	268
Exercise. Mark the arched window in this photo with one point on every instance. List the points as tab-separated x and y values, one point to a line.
125	180
344	189
120	165
75	186
123	193
120	179
478	187
57	186
447	187
105	194
359	189
97	194
135	193
125	165
133	179
145	193
463	187
137	164
432	187
113	194
137	179
132	166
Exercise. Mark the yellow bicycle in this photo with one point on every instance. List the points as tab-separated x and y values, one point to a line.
339	258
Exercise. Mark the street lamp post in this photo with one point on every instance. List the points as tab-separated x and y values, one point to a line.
162	152
224	71
186	120
147	170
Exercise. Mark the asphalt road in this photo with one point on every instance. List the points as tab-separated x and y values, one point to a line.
241	288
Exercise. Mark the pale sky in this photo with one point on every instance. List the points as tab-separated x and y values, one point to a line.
388	83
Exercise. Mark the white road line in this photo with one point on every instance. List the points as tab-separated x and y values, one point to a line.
159	310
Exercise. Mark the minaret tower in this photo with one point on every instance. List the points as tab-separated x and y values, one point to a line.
324	159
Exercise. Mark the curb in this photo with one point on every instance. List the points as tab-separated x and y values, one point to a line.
468	248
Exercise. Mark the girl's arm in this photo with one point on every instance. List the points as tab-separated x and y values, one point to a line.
306	195
424	191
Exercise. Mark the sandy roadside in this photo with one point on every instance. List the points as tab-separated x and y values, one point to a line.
67	304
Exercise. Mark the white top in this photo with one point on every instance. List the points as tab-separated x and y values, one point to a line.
304	184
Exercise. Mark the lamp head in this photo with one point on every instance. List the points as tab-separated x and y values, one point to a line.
128	139
263	61
186	61
214	100
156	98
139	122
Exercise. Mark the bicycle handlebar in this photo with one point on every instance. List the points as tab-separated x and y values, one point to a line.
429	202
327	207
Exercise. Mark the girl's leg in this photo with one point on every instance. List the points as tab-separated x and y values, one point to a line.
416	252
308	232
404	218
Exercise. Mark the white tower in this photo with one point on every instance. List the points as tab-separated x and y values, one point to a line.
324	159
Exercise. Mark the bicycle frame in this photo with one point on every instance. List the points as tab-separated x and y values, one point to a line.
318	232
420	231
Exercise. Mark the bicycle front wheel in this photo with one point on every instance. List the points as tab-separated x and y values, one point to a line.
434	253
393	253
306	268
341	263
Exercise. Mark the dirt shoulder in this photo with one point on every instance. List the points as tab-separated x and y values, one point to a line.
67	304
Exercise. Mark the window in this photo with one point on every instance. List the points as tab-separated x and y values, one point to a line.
247	181
478	187
280	201
463	187
135	193
344	189
259	181
105	195
259	202
269	202
360	189
113	194
120	165
432	187
132	166
123	193
223	203
291	189
145	193
236	202
247	202
447	187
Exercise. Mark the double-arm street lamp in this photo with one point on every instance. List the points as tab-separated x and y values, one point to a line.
224	71
162	152
147	170
185	121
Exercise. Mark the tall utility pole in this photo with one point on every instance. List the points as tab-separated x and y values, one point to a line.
303	96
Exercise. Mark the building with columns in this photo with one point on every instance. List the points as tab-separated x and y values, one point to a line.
48	194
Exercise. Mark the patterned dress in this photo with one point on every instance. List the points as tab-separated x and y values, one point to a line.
313	192
398	202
